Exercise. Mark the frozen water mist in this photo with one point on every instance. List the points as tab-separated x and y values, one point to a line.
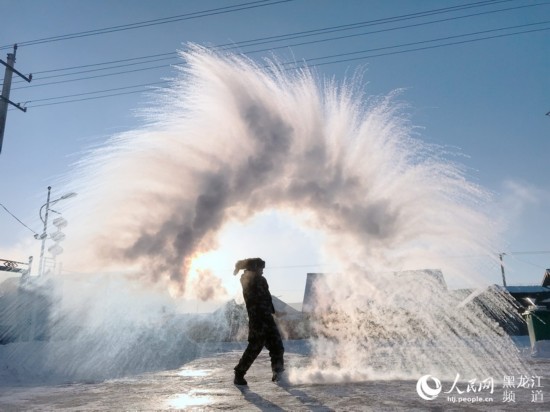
405	325
230	139
99	327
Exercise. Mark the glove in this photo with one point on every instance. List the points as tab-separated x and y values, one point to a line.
241	264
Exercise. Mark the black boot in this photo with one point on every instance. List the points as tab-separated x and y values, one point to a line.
279	377
239	379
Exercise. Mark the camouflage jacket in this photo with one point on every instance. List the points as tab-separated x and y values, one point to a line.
256	294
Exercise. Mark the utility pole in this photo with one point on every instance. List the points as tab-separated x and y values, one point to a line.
5	97
502	269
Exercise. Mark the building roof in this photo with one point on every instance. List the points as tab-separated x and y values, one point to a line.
528	290
546	278
283	308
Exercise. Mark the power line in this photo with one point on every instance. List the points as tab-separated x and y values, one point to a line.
528	263
391	28
88	98
16	218
295	35
250	52
414	50
299	266
440	39
95	97
339	60
540	252
288	63
154	22
313	65
101	91
174	55
311	265
375	22
163	66
105	63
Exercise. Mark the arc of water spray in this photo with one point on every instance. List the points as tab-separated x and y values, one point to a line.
229	139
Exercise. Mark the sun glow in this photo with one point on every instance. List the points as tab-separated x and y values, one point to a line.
212	270
274	235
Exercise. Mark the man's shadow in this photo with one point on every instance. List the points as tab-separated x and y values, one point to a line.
265	405
308	401
255	399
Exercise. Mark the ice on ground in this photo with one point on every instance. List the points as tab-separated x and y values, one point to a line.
206	384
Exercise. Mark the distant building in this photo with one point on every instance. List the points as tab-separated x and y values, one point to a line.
25	305
313	282
316	285
546	279
527	296
229	323
490	300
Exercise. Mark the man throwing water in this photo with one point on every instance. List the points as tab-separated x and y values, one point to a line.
262	330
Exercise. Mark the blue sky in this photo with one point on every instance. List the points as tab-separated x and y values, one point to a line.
487	99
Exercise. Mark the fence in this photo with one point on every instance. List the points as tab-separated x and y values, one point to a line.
16	267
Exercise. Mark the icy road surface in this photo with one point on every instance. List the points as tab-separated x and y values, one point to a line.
206	384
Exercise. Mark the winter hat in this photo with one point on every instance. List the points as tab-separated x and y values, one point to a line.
249	264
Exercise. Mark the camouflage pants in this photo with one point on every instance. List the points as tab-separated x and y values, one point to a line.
262	332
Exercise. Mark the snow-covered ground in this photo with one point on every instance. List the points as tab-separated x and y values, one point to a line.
205	383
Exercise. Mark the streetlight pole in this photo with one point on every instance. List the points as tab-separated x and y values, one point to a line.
44	235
